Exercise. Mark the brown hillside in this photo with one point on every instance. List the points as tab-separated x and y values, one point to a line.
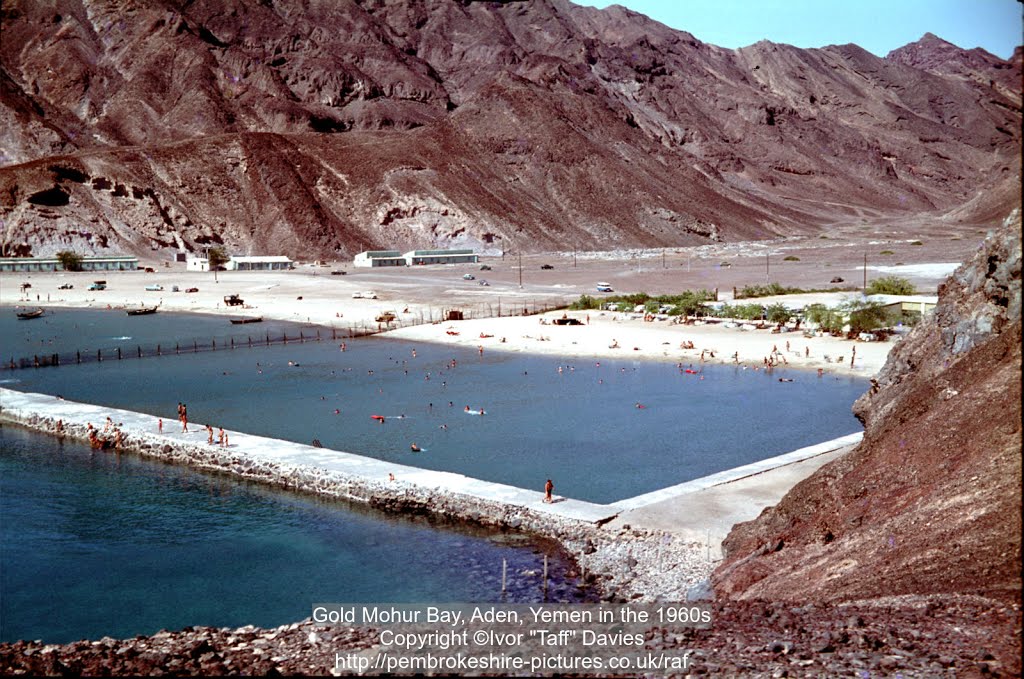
333	127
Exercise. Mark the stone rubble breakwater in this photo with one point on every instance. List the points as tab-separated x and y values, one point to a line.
622	564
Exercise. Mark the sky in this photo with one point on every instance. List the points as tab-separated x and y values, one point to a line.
879	26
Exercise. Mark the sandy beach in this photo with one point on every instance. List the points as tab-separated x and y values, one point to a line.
321	299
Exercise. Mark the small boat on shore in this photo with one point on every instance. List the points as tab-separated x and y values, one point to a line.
247	319
144	311
25	315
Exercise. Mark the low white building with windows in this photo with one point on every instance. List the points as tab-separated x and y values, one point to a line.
375	258
416	257
28	264
260	263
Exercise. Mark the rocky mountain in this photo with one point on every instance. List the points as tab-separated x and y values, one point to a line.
320	129
930	502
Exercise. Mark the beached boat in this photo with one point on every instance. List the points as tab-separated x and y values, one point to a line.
248	319
25	315
144	311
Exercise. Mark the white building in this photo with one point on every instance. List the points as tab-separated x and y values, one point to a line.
260	263
374	258
197	264
416	257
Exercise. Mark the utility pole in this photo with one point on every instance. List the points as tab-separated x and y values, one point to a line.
767	277
865	289
574	256
520	269
663	265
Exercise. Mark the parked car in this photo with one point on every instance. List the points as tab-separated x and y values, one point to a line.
191	289
66	286
484	267
604	287
365	294
468	277
484	283
98	285
234	300
155	287
836	279
546	266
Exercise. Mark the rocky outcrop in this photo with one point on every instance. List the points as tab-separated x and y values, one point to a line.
921	638
930	501
521	125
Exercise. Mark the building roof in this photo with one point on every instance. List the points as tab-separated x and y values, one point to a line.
260	258
438	253
378	254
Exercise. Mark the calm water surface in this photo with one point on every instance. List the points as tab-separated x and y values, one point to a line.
579	426
95	544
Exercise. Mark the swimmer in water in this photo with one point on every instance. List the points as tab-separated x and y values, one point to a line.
414	448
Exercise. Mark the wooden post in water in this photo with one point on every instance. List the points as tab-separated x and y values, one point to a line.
504	572
250	342
119	353
195	346
99	356
158	350
232	342
78	357
213	344
139	347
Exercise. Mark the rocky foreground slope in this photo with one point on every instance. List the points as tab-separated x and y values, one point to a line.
321	129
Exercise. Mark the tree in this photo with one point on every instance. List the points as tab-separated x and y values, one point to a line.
866	316
891	285
71	261
779	314
216	258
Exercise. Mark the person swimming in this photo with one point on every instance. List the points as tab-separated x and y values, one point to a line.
414	448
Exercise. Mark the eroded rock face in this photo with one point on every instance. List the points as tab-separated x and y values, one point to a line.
930	501
523	125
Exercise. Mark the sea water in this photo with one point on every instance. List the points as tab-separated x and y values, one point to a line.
95	544
603	430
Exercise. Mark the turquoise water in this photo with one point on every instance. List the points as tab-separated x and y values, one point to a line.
95	544
580	426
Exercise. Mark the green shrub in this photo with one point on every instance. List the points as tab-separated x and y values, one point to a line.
585	302
891	285
887	252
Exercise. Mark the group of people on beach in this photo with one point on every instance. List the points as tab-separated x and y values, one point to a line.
110	437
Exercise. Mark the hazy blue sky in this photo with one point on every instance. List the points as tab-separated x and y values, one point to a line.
878	26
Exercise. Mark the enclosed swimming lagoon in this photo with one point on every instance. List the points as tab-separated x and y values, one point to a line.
603	430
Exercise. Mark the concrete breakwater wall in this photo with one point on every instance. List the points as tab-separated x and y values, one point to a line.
624	563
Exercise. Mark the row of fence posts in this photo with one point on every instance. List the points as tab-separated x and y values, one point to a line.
353	331
504	576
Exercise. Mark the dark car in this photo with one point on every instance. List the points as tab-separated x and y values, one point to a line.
837	279
546	266
66	286
484	267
